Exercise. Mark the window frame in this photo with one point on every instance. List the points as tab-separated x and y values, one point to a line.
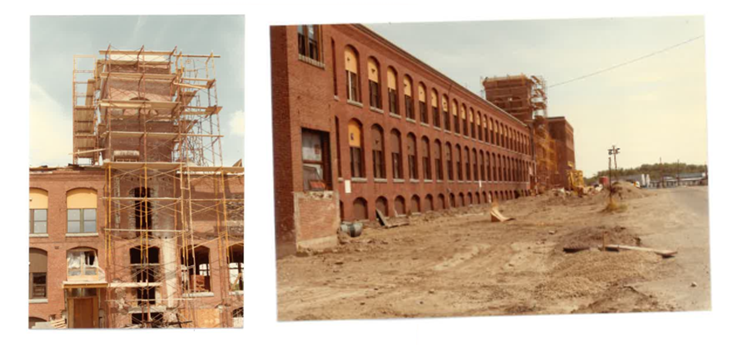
33	221
82	221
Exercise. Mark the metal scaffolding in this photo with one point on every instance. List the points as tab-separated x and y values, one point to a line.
155	129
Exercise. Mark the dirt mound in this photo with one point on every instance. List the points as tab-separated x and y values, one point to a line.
626	190
590	273
624	299
594	236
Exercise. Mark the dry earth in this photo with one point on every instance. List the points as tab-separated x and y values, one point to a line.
458	263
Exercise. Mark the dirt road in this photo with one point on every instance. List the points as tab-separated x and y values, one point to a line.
458	263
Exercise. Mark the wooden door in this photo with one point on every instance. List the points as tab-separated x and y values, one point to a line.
84	313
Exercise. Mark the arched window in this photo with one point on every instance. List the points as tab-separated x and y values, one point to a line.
392	91
412	157
460	200
441	202
473	131
38	211
81	211
426	158
381	205
459	175
445	109
373	74
408	95
486	129
378	152
236	263
396	150
470	199
434	108
356	155
494	168
449	162
38	268
83	264
422	106
475	161
452	200
492	131
455	113
438	160
467	164
482	166
415	204
428	205
195	269
399	206
351	65
464	120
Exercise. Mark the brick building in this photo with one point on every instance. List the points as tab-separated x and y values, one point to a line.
145	228
361	125
562	132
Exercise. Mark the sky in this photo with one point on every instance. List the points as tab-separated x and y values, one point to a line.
56	39
652	109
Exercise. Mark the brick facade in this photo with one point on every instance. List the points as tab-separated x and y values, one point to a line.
312	94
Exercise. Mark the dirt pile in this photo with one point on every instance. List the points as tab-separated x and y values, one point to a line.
627	191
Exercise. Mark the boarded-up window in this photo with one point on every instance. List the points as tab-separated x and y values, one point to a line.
428	204
408	94
415	204
38	268
455	113
434	108
315	153
351	65
359	209
445	110
464	122
373	74
392	91
438	159
356	156
399	206
449	163
422	106
381	205
426	158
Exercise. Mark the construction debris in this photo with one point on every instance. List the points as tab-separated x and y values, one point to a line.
497	216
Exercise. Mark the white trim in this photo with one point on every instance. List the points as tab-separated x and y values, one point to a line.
38	235
82	234
37	300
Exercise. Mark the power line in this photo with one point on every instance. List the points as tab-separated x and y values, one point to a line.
628	62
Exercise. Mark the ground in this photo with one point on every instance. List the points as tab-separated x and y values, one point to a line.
458	263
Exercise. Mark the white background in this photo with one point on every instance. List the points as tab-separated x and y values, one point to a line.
260	309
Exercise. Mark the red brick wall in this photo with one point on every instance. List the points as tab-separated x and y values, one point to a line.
57	243
303	97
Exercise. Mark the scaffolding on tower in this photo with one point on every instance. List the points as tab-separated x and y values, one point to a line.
168	196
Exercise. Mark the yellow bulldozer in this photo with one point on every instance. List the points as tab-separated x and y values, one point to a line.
576	180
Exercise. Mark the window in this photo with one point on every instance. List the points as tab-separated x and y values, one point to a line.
396	154
449	163
455	113
392	91
434	108
338	147
195	270
422	107
408	95
351	64
236	263
438	157
465	124
315	156
373	74
412	157
459	175
356	157
359	209
378	152
399	206
445	108
145	267
415	204
143	210
38	266
467	164
38	211
426	158
475	172
81	211
309	42
471	124
82	264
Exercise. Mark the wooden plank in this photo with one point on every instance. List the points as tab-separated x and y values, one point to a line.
663	252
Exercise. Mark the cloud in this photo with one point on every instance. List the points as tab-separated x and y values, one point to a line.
237	123
50	130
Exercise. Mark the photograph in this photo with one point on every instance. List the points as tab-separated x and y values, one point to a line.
136	177
482	168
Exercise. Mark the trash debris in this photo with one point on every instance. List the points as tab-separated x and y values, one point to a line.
497	216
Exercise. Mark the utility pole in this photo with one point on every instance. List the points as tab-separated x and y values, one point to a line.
612	152
662	178
610	180
677	169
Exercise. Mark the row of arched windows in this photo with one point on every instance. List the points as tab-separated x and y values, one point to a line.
472	124
434	160
400	206
81	211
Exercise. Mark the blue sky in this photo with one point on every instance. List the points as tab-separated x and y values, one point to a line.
56	39
653	108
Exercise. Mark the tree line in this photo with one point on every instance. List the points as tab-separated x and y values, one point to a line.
654	170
